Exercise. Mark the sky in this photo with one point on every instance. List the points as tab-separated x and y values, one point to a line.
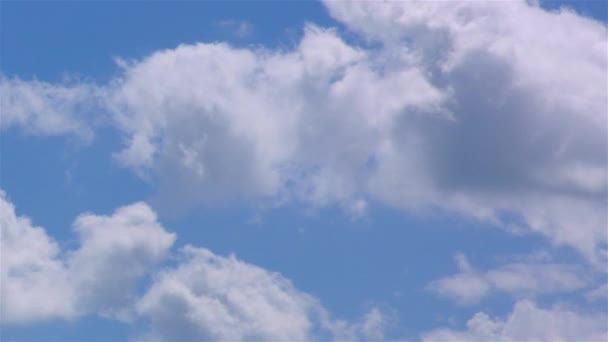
294	171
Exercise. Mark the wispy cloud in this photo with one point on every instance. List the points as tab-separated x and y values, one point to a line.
240	29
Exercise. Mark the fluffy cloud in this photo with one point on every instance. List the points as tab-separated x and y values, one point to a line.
131	238
527	131
210	297
529	322
460	106
212	122
39	281
32	277
525	278
203	297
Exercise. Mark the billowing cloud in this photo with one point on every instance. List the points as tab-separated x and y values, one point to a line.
132	238
528	322
33	280
523	278
213	122
210	297
203	297
40	281
467	107
527	129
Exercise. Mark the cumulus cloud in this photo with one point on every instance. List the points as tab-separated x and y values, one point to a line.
460	106
527	131
203	297
210	297
33	280
524	278
132	238
40	281
529	322
213	122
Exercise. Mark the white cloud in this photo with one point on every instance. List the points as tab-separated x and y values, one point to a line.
204	296
209	297
211	121
132	238
528	128
467	107
371	327
47	109
524	278
39	281
529	322
33	283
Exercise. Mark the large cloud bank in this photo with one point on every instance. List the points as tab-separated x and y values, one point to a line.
468	107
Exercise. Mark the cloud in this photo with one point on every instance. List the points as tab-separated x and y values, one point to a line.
203	296
524	278
33	279
132	238
48	109
213	122
40	281
598	293
528	322
466	107
211	297
241	29
527	128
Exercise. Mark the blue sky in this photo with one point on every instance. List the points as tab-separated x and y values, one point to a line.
367	172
